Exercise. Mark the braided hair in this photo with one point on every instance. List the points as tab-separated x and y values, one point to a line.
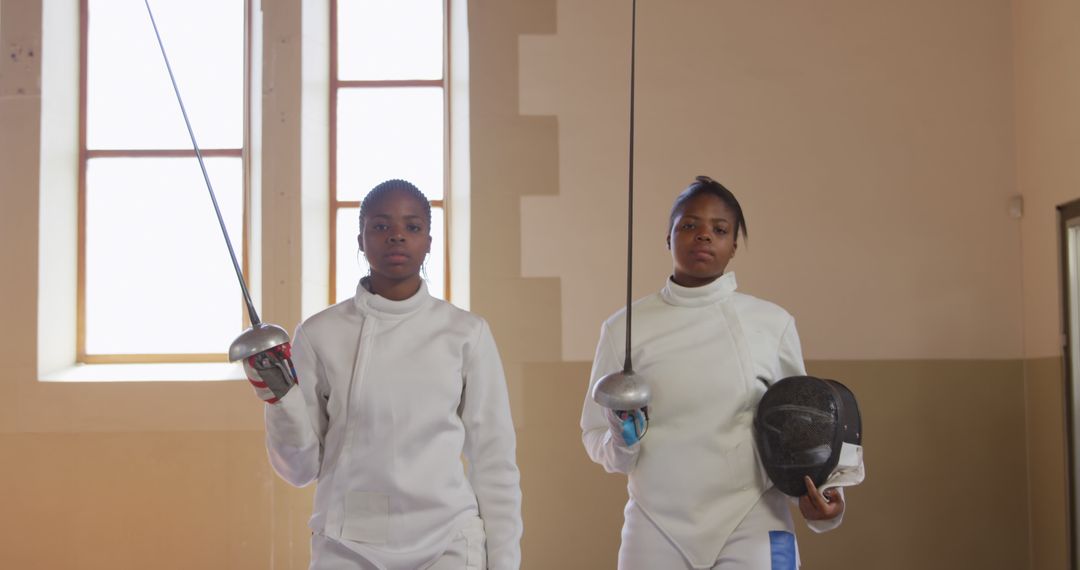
384	189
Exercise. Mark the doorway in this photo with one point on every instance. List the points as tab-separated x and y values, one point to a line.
1069	245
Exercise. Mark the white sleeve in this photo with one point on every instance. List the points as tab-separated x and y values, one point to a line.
602	448
296	425
789	352
490	447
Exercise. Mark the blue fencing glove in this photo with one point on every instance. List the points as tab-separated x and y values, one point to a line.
628	427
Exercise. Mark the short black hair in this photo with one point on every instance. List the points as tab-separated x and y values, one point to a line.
383	189
705	185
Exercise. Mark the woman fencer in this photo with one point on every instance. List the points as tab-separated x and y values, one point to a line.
395	388
698	497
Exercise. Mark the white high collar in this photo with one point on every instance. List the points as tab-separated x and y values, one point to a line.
721	288
368	302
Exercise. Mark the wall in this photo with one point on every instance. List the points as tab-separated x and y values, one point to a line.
1047	87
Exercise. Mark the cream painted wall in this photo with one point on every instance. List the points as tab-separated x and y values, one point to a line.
870	143
1048	144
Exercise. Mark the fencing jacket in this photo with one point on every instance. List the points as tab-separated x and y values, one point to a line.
391	395
708	354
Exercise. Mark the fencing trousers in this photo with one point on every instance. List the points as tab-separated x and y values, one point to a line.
764	540
467	551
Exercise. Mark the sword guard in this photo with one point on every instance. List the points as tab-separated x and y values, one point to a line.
271	372
257	339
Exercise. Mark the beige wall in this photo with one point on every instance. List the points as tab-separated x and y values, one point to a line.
871	148
874	146
1047	87
1048	174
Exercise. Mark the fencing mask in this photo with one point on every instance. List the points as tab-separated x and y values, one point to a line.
800	428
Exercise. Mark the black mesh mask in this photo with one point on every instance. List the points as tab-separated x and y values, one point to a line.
800	425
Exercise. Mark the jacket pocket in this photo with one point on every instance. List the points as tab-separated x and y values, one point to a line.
367	517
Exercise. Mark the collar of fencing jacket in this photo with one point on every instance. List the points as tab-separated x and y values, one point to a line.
721	288
369	302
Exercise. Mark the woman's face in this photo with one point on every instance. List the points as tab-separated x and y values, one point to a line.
396	237
702	241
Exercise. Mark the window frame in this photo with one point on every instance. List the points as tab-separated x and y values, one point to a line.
85	155
335	85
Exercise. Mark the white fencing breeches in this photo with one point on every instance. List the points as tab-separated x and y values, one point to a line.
467	551
764	540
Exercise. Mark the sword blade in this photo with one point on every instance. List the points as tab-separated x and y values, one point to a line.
202	165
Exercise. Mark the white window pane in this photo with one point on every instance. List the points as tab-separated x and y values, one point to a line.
130	101
158	274
351	264
389	133
383	39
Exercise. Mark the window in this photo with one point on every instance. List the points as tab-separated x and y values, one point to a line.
133	164
155	282
388	119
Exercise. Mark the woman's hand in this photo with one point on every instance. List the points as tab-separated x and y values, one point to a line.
816	506
624	433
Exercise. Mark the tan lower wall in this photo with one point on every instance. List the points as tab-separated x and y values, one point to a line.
1047	470
177	500
572	509
947	472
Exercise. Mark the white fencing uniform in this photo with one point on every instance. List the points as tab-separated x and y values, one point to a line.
708	354
391	395
465	552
